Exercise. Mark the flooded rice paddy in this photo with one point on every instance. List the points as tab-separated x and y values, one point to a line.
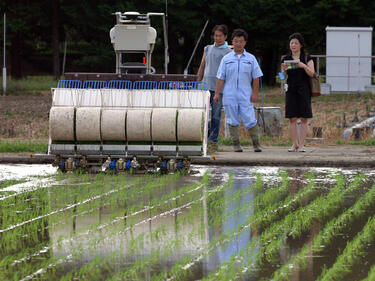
221	223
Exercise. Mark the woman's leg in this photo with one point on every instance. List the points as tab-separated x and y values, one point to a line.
293	132
303	132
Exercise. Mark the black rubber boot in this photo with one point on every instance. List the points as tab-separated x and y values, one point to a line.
234	134
254	135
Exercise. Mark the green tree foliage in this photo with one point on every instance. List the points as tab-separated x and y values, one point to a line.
85	26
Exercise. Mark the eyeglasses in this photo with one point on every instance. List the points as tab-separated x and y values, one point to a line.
238	42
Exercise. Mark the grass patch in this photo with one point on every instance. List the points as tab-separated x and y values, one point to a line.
364	142
19	146
31	83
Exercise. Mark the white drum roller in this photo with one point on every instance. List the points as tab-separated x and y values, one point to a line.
88	124
164	124
61	123
138	125
113	125
190	124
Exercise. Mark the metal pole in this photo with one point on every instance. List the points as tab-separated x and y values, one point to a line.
64	58
195	48
349	74
4	67
359	63
166	56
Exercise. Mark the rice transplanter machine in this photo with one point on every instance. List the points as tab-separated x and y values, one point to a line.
132	119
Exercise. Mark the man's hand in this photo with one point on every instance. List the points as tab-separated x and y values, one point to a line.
254	97
217	98
219	86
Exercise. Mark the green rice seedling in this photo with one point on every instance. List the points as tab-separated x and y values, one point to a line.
268	245
274	212
192	214
31	228
181	269
94	270
7	183
300	221
267	199
167	250
327	236
371	274
154	237
353	254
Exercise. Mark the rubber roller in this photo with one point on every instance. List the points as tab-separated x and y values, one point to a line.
113	125
138	125
61	123
190	125
88	124
164	124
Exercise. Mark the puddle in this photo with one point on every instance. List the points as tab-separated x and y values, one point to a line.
172	227
19	171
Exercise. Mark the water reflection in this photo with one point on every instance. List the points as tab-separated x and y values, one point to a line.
141	230
233	218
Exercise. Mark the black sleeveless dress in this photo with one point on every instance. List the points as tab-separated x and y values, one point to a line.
298	96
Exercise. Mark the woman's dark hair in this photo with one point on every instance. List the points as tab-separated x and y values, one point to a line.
238	33
220	27
300	39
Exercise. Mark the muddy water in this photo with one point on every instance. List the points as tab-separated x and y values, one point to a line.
94	227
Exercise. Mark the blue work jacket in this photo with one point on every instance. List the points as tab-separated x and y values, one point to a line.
238	73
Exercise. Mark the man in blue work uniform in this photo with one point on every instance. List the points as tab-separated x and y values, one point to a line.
239	73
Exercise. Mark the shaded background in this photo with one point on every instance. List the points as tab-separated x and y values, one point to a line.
37	30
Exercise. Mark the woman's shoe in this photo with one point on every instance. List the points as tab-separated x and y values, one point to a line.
293	149
302	149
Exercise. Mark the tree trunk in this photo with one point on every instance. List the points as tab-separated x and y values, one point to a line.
55	38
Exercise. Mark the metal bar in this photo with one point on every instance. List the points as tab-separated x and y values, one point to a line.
4	67
64	58
205	134
195	48
166	55
359	62
349	74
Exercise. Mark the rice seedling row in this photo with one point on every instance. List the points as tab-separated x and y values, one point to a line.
334	229
135	268
153	259
192	211
108	237
371	274
43	184
180	269
268	245
164	229
127	215
86	200
353	255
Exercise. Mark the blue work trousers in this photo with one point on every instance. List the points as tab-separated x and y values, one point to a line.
214	125
243	110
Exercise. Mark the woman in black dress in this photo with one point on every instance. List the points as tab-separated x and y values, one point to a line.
298	95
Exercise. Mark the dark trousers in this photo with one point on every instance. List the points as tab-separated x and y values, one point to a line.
214	125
